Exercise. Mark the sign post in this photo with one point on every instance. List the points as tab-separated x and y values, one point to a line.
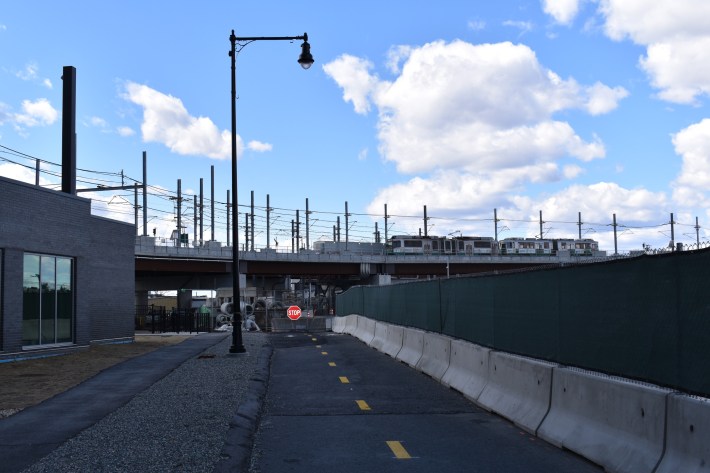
293	312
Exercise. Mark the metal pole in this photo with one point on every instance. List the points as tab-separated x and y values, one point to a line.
579	222
237	344
194	218
616	250
298	230
202	214
495	223
37	172
386	217
246	231
229	209
347	227
145	193
672	233
212	203
179	210
252	220
268	223
135	206
541	222
697	233
308	239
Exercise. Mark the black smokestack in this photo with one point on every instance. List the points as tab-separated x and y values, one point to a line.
69	130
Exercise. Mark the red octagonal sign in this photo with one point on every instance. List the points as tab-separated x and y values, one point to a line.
293	312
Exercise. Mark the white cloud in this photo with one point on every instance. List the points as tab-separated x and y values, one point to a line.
475	126
603	99
21	173
98	122
5	115
352	75
476	25
395	55
36	113
362	155
125	131
563	11
259	146
523	26
693	144
167	121
677	39
29	73
477	107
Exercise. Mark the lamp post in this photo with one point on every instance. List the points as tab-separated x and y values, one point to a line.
306	61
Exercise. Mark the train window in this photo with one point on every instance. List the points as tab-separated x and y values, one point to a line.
413	243
396	243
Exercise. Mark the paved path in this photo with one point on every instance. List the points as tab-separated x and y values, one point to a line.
334	404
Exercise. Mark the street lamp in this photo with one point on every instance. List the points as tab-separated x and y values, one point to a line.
306	61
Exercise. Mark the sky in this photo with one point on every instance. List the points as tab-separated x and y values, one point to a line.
567	110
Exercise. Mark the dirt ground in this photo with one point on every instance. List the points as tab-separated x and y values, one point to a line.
26	383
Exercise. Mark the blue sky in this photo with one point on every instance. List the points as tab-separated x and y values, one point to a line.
567	106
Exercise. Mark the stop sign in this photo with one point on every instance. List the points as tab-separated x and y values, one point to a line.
293	312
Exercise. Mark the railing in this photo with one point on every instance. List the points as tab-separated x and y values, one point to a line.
157	319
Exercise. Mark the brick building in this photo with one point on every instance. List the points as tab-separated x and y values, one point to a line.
67	277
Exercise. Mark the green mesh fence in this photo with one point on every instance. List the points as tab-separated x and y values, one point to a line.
646	318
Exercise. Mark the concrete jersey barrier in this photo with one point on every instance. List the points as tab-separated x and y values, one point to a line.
468	369
365	330
412	347
394	340
617	424
518	388
339	324
436	353
350	323
380	338
687	435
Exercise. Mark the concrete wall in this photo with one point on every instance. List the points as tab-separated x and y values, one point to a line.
43	221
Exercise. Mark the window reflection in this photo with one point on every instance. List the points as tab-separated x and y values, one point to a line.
48	301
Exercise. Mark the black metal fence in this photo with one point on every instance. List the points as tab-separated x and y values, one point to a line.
158	319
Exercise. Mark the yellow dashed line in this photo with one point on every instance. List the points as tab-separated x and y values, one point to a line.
331	363
399	451
363	405
344	380
314	339
324	353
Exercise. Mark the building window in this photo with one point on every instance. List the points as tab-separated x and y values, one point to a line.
48	300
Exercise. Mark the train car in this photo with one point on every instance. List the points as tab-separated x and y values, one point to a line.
576	247
586	247
475	245
525	246
465	245
417	245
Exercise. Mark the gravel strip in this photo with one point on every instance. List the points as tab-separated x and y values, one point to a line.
178	424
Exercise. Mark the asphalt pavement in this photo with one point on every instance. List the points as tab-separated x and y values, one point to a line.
296	402
335	405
